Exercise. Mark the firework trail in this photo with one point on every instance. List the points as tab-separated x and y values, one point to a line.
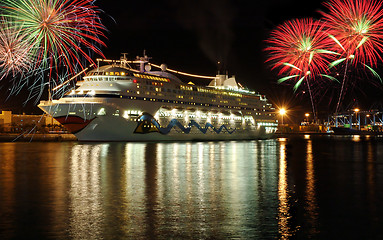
298	48
34	82
356	27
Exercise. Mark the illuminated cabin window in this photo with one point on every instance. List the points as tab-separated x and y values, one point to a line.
151	77
117	113
111	73
122	73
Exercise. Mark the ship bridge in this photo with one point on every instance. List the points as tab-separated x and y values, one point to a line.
109	70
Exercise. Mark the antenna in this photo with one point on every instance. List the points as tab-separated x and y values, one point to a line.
124	56
123	59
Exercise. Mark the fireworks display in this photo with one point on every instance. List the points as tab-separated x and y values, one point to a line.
43	40
61	36
299	49
58	30
356	26
14	50
351	32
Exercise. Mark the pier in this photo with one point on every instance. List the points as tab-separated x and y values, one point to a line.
355	119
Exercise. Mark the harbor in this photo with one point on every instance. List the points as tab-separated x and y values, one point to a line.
27	128
191	119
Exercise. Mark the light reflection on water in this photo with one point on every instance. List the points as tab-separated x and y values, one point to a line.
275	189
86	213
177	190
283	194
311	202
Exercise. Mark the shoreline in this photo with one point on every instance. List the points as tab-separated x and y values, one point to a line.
37	137
292	134
67	137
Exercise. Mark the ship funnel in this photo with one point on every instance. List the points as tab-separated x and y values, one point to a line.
223	81
218	81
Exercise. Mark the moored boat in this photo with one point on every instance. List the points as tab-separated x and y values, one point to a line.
116	102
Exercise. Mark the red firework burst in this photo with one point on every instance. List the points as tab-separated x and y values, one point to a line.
356	26
299	48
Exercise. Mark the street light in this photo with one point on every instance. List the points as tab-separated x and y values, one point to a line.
282	112
307	117
356	110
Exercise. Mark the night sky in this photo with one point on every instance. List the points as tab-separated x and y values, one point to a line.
192	36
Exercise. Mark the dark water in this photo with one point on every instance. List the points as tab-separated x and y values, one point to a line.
287	188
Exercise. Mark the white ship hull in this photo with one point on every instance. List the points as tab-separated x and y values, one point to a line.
100	130
89	126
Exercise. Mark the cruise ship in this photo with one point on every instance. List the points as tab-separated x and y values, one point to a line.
125	100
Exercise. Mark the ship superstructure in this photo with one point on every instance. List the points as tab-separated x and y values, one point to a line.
117	102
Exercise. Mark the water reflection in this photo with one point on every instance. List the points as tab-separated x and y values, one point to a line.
276	189
86	213
311	202
356	138
283	194
371	173
174	190
7	186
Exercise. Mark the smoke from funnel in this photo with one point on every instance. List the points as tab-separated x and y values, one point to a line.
212	22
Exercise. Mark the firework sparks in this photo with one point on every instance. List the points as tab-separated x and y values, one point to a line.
44	39
14	50
299	49
356	27
58	29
